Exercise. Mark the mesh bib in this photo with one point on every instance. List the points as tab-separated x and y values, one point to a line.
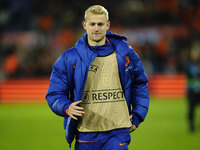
103	98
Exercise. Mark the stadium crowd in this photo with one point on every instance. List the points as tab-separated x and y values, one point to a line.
33	33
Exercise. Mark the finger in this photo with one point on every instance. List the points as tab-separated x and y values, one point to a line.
73	117
78	102
133	128
78	113
130	117
78	108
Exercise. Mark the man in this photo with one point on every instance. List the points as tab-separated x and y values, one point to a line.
192	71
94	85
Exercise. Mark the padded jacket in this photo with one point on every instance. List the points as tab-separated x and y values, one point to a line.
69	75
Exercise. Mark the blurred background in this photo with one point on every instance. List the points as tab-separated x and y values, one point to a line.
34	33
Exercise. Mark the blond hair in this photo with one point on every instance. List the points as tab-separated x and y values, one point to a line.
96	9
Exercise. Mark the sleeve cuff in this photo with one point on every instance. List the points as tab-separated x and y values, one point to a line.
66	108
135	120
66	111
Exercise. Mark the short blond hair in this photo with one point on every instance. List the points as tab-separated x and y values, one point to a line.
96	9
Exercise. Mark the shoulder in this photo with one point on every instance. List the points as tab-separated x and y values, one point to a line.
70	52
68	57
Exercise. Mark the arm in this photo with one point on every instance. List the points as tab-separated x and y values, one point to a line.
139	93
59	89
58	96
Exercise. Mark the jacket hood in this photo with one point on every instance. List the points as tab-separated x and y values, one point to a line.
112	35
117	41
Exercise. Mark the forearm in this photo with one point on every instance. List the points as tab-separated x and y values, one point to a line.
140	101
58	103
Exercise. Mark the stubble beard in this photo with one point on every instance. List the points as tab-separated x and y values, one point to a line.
98	40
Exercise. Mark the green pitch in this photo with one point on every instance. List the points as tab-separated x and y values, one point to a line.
35	127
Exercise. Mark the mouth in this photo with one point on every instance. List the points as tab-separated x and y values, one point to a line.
96	34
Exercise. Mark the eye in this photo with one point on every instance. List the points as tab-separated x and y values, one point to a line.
100	24
92	24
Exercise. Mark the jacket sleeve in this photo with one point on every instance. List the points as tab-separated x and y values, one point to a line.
58	92
139	92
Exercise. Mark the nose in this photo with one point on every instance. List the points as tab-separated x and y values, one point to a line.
96	27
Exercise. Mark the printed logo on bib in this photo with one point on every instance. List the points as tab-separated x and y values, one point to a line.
85	97
103	96
93	68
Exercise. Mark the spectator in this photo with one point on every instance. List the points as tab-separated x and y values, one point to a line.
192	69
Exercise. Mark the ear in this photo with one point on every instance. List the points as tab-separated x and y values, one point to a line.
108	25
84	25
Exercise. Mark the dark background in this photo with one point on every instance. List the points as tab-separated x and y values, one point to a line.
33	33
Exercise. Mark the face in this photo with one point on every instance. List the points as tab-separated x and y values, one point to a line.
96	26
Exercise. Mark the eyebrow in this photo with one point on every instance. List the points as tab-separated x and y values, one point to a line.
97	23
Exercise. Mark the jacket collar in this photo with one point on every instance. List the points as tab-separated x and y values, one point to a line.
102	50
118	42
83	49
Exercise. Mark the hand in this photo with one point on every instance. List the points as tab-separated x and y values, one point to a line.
75	110
133	128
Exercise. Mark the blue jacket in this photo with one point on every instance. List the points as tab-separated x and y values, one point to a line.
69	76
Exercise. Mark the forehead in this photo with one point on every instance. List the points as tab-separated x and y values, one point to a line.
96	17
